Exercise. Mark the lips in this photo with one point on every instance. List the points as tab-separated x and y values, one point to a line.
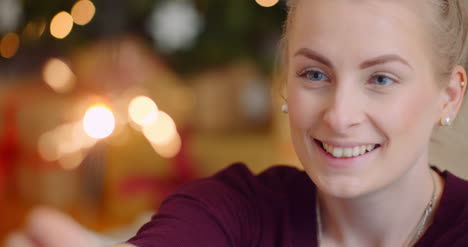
346	151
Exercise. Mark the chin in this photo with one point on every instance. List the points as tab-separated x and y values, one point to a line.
346	186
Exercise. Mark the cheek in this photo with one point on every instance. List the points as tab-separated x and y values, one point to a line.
303	112
411	115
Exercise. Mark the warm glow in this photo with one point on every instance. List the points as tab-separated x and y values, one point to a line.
79	135
169	149
83	12
160	131
99	122
47	147
58	76
9	45
64	144
61	25
142	110
34	30
267	3
71	161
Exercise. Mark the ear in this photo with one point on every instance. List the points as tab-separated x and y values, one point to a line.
454	92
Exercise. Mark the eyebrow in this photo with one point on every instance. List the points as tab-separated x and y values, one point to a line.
311	54
384	59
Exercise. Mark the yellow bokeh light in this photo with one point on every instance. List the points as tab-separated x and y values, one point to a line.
83	12
9	45
142	110
99	122
61	25
58	76
160	131
169	149
267	3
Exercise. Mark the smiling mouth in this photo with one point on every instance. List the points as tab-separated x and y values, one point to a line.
347	152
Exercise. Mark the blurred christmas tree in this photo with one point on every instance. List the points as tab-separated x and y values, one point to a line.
190	35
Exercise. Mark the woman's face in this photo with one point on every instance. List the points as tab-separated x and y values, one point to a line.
362	94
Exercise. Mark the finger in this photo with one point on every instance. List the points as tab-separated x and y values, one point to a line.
18	240
51	228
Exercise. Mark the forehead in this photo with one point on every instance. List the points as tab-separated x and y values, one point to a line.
365	27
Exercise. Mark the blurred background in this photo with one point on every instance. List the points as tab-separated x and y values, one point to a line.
106	106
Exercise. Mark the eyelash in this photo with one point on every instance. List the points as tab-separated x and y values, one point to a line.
392	80
304	74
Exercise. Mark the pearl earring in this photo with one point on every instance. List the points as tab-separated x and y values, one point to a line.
463	83
284	108
446	121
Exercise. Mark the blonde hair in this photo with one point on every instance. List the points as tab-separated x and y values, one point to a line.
450	30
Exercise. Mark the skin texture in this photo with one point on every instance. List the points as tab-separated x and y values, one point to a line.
349	106
365	75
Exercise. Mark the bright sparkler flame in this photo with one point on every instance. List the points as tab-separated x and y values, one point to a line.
99	122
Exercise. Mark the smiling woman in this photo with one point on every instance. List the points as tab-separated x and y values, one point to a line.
366	86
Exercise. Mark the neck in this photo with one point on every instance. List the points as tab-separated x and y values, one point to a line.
385	218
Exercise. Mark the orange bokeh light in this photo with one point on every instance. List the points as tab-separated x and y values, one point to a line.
9	45
61	25
83	12
267	3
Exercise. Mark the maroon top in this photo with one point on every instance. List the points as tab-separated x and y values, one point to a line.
276	208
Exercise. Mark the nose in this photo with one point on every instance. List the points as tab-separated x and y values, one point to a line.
343	110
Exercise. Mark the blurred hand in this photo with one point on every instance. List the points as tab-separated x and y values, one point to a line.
47	227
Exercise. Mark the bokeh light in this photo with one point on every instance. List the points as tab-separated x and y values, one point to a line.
66	143
47	147
83	12
160	131
11	13
34	29
9	45
170	148
175	25
58	76
71	161
79	135
142	110
61	25
99	122
267	3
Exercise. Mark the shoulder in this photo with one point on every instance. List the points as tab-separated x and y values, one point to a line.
450	226
234	207
239	181
454	200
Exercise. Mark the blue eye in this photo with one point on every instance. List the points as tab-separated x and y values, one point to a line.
382	80
314	75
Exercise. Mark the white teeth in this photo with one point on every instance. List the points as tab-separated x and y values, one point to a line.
337	152
356	151
348	152
362	149
370	147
